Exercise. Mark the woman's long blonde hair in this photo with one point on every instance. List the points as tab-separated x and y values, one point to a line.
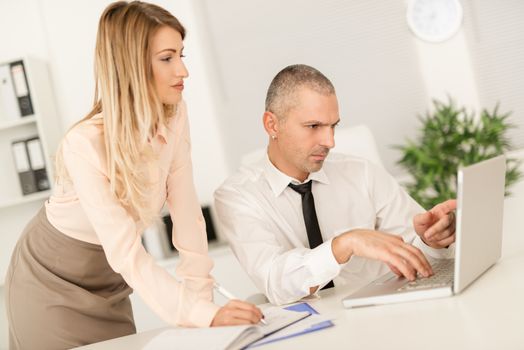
126	97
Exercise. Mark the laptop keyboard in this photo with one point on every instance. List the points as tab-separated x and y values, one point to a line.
443	276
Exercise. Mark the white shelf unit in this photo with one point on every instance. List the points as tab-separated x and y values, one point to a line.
4	125
37	196
16	209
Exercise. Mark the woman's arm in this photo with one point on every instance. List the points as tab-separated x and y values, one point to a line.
176	303
189	228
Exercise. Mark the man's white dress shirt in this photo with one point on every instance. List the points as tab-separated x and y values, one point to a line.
262	218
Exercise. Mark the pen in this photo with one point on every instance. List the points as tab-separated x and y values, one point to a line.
225	293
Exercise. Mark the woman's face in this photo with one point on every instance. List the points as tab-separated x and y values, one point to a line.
169	71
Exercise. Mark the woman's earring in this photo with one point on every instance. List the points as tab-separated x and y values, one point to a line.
273	137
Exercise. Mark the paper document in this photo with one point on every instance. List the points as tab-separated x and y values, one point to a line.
232	337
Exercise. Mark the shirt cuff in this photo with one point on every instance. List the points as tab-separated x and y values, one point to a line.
322	266
203	313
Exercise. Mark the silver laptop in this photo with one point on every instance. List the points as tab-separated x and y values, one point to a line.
480	205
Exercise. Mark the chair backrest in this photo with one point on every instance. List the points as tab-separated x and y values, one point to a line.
357	141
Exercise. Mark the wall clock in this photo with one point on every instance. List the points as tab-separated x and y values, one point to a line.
434	20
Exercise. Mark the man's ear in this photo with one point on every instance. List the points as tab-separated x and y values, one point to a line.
271	124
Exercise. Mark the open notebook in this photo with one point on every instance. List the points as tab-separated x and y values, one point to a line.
233	337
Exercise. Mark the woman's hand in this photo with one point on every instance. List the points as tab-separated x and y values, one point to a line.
237	312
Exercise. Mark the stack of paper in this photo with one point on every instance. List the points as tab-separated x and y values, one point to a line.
233	337
282	324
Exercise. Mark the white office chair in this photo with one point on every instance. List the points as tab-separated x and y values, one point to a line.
357	141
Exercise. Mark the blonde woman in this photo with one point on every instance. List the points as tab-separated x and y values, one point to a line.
78	260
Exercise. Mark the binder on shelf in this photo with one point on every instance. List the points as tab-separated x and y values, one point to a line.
37	163
23	167
8	101
21	88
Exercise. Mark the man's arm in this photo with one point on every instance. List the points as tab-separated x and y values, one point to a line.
402	258
396	211
283	275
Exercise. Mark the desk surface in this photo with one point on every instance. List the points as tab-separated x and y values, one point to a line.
489	314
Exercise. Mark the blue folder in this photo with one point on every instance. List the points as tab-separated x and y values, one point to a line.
313	328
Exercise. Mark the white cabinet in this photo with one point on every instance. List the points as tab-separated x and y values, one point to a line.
17	209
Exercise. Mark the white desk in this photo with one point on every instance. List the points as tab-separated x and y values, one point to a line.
487	315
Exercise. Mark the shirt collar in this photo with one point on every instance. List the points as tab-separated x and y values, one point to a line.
161	133
278	181
97	119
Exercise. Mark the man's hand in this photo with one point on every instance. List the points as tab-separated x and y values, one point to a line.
436	227
237	312
402	258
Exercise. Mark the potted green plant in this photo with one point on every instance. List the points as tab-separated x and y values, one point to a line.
452	137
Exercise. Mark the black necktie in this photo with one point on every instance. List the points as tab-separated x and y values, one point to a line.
310	217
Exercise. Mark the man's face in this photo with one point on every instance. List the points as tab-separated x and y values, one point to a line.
306	133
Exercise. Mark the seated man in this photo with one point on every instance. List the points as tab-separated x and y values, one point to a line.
297	219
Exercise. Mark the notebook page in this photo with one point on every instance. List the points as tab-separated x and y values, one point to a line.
232	337
213	338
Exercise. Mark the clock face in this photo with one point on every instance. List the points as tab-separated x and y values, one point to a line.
434	20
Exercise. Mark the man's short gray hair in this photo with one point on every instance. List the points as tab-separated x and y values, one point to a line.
281	94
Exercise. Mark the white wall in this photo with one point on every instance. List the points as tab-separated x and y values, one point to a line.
21	30
495	40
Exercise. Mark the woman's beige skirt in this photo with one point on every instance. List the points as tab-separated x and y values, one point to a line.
61	292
